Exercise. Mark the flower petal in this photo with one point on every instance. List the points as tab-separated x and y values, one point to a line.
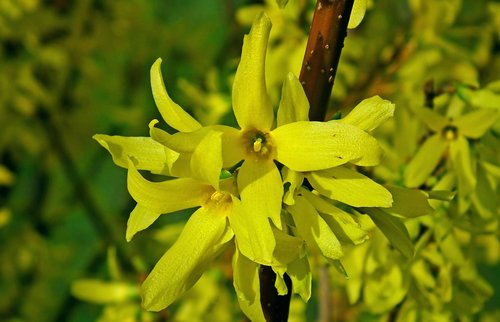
247	286
202	239
370	113
167	196
140	218
251	104
295	179
409	203
301	276
462	166
425	161
206	160
146	153
311	226
172	113
309	146
433	120
340	222
261	189
288	248
294	105
254	236
350	187
357	14
475	124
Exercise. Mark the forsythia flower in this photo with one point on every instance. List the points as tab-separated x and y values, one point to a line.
300	146
246	203
450	136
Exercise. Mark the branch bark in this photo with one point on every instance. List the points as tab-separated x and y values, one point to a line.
321	59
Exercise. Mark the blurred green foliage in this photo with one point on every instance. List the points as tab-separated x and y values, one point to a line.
70	69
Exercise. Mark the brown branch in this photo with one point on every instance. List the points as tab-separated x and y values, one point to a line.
326	40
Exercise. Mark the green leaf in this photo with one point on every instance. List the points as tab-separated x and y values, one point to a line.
409	203
370	113
350	187
393	228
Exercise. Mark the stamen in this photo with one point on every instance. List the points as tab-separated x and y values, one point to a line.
257	145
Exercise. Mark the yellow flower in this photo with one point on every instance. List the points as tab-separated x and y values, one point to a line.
300	145
450	135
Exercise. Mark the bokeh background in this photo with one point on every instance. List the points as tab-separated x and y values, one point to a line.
71	69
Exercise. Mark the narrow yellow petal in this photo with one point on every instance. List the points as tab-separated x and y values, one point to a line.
300	274
146	153
309	146
409	203
357	13
101	292
261	189
288	248
206	160
340	222
370	113
295	180
254	236
350	187
251	104
201	240
172	113
140	219
247	286
167	196
425	161
294	105
432	119
315	231
462	166
475	124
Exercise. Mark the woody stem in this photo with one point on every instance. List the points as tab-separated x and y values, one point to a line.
324	46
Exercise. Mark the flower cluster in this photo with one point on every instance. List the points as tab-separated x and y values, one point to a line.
271	187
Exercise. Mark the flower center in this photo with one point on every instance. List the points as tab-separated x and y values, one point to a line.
257	144
450	133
